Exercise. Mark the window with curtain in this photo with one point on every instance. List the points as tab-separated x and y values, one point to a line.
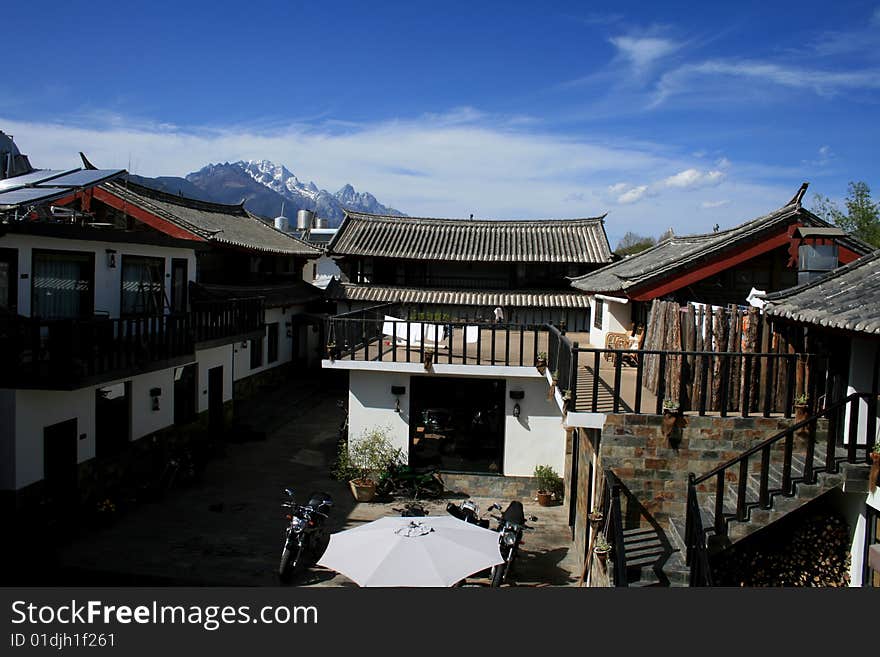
63	284
143	285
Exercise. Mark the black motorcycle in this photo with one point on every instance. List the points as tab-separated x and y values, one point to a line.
511	526
306	533
468	511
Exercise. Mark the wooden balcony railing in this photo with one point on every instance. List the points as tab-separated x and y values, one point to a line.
62	353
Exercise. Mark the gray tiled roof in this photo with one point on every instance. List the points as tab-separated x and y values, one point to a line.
275	295
548	240
847	298
508	298
679	253
224	224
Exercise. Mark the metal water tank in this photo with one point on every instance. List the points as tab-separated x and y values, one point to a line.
320	222
304	219
282	223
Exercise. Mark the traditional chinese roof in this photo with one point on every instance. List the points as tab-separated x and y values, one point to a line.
276	294
421	238
229	225
846	298
507	298
676	255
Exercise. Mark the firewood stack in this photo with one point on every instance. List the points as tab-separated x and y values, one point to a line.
815	554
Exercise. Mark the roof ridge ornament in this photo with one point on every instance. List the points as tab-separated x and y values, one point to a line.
799	196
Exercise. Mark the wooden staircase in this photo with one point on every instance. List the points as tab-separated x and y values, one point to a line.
774	478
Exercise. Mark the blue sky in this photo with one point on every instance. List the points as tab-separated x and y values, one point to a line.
660	114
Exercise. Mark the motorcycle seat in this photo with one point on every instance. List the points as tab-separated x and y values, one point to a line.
320	500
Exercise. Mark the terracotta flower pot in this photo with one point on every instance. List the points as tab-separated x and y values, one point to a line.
601	554
545	499
541	364
596	519
363	490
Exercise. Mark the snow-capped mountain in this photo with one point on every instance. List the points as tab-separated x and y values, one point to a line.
263	185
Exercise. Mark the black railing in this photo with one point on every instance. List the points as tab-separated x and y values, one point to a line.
366	335
613	528
562	361
217	320
61	353
702	381
773	468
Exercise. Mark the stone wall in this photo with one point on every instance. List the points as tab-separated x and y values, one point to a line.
655	468
502	489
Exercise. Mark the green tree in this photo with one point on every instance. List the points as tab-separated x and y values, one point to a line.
862	216
632	243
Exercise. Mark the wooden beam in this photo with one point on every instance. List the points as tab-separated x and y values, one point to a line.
711	268
148	218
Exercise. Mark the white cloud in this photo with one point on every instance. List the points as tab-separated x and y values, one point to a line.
690	178
633	195
683	80
707	205
642	52
482	165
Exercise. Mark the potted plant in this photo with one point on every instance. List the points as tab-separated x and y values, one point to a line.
541	362
331	350
801	413
363	461
566	400
671	416
429	359
596	518
875	467
601	548
549	484
554	379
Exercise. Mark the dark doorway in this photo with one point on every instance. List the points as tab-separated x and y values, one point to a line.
112	419
185	383
457	424
9	280
178	285
215	399
59	462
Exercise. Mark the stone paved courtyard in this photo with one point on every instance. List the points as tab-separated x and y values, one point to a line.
227	529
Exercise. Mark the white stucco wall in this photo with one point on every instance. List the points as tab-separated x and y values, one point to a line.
371	405
863	355
208	359
537	437
285	344
616	318
107	280
36	409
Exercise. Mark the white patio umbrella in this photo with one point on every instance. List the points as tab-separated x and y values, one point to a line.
412	551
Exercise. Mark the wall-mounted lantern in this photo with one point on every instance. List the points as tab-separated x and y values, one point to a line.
155	393
111	258
517	395
397	391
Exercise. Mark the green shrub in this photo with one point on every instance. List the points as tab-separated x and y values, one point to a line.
367	457
548	480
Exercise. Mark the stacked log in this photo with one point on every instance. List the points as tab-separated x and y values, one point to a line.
815	554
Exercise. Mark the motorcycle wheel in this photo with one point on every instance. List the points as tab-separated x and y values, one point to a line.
291	563
498	573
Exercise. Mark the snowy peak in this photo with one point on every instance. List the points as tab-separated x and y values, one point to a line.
264	186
